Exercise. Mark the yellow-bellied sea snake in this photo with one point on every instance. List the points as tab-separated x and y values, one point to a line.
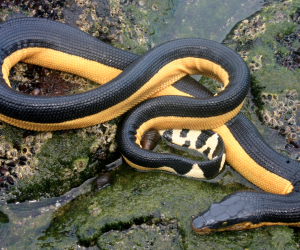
174	100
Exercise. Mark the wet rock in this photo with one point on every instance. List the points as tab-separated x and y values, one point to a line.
42	8
101	153
269	43
102	181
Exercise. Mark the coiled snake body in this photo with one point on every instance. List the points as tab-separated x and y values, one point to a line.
177	101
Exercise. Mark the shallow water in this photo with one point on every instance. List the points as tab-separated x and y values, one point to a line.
205	19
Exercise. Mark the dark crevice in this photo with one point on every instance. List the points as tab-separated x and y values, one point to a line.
126	225
3	218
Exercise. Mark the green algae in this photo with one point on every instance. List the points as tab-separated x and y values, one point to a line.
162	210
270	75
274	30
64	162
259	40
107	219
142	237
211	84
49	180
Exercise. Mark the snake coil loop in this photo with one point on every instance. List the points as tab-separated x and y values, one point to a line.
174	100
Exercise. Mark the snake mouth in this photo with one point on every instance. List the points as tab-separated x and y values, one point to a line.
198	224
201	231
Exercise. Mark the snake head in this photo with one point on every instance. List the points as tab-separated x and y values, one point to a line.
235	212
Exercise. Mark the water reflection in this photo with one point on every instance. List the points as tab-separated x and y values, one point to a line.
211	19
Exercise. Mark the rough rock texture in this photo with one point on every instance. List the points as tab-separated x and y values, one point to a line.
269	43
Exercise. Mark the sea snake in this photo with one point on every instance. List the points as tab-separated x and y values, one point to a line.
160	95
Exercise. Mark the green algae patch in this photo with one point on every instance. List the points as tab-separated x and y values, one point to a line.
150	209
142	237
11	134
271	76
80	164
48	164
263	40
54	172
274	30
268	42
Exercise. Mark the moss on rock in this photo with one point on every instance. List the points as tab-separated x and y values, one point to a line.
267	41
153	209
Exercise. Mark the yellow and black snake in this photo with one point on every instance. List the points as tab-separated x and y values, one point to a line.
156	88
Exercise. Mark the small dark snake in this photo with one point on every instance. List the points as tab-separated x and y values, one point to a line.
174	100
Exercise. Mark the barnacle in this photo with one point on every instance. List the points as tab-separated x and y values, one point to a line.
2	151
277	113
292	137
280	104
297	128
12	153
273	122
280	111
79	165
264	98
112	147
266	118
291	121
249	29
7	146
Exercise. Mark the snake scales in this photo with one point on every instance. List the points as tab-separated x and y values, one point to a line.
174	100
